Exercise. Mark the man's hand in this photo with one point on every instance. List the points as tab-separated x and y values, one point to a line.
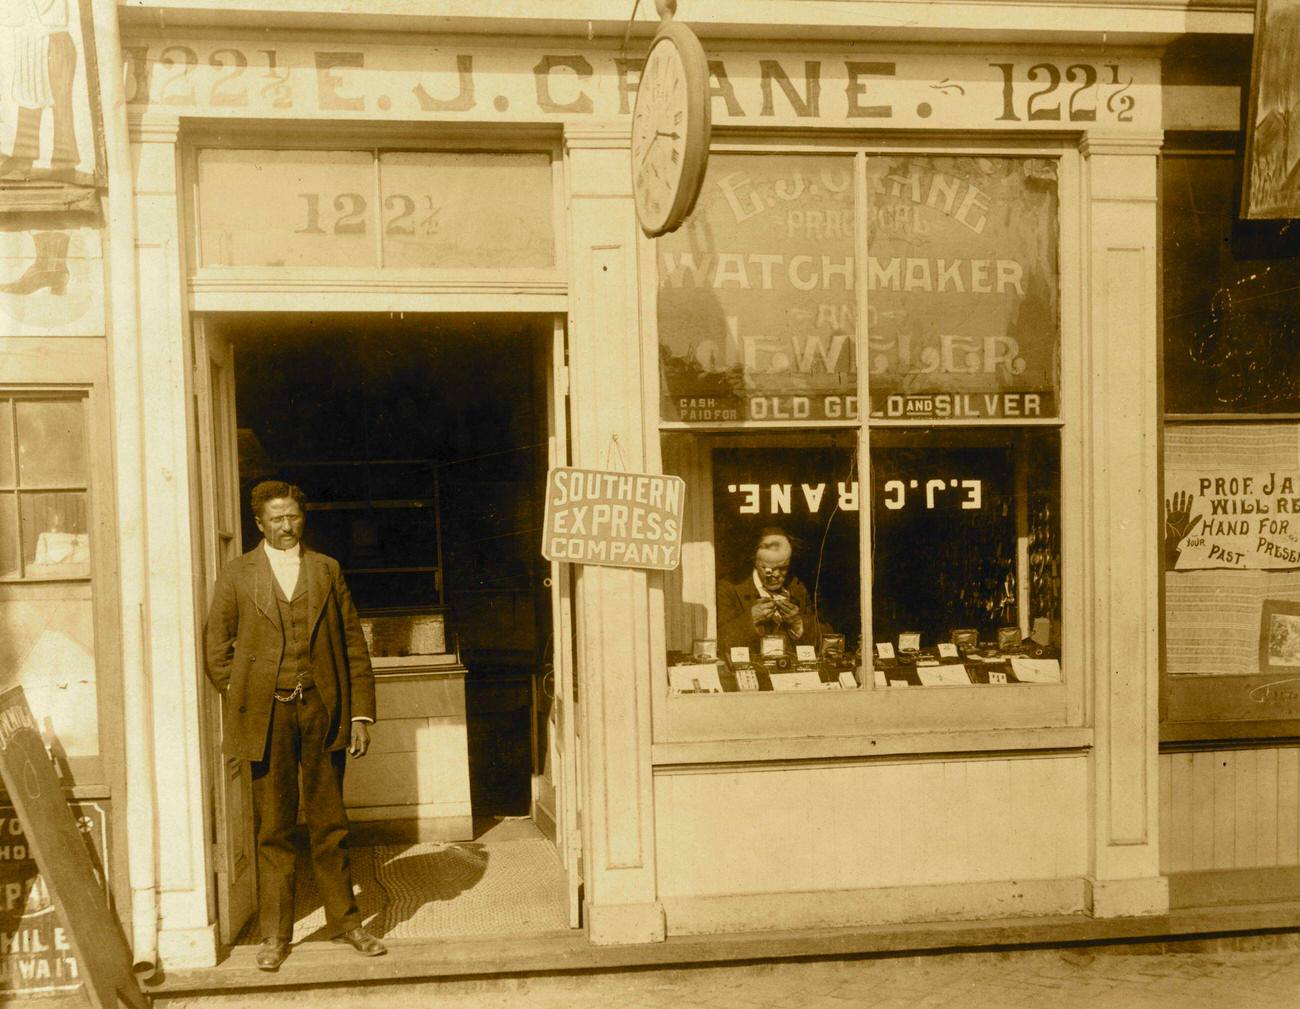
786	607
764	609
360	742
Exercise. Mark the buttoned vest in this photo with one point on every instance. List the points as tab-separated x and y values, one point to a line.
294	667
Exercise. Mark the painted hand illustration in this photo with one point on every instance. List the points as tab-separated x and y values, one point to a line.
1179	523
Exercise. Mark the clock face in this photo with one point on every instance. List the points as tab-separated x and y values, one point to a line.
670	130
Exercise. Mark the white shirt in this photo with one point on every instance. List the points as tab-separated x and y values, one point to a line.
285	565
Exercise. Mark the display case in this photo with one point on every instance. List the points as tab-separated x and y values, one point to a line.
380	519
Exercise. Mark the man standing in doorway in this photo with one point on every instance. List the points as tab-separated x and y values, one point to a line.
285	648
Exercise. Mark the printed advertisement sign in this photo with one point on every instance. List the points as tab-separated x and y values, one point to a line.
35	954
1244	520
758	300
623	520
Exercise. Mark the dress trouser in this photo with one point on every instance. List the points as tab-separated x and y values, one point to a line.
298	732
62	75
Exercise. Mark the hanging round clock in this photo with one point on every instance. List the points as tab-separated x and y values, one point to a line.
670	130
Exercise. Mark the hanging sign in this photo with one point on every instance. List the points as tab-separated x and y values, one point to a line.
93	934
622	520
1272	183
1241	519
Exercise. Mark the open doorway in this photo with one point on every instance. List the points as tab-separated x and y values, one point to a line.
422	443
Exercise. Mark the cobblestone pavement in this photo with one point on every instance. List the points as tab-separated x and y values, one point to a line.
1058	979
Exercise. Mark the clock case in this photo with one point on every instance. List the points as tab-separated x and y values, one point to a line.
698	127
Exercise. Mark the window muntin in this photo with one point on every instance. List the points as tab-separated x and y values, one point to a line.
962	309
45	564
44	526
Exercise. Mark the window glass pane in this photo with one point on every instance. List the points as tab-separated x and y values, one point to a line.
962	279
770	556
756	304
451	209
287	208
8	536
966	550
6	443
49	648
51	443
1231	331
55	535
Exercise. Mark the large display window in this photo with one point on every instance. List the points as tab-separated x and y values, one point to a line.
861	382
1231	454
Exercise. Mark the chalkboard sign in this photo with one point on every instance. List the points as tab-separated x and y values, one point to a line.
35	955
93	933
1231	295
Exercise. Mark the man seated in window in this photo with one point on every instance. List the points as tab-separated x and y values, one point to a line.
768	602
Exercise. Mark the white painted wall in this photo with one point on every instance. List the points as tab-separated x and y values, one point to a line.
851	825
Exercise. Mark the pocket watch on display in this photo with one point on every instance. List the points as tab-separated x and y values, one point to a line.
671	123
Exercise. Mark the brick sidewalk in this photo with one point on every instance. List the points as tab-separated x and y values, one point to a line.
1059	979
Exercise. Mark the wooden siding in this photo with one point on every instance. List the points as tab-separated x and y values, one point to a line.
851	826
1230	809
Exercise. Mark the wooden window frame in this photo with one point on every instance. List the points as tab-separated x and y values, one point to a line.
870	721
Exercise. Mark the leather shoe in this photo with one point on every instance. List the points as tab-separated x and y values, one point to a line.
363	942
272	953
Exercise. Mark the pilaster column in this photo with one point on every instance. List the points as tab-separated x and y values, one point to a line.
1120	430
187	933
610	432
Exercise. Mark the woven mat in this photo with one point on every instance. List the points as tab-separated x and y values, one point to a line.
436	890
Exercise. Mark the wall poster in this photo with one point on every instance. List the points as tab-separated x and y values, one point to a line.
1230	543
758	305
1272	184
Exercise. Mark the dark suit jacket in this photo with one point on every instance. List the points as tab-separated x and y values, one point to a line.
736	623
244	643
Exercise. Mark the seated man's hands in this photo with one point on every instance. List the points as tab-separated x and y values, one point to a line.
781	609
763	610
786	607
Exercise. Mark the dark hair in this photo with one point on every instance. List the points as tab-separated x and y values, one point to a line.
270	490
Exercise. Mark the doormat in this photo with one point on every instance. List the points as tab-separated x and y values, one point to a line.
446	890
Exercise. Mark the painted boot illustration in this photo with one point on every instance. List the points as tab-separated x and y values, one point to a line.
50	270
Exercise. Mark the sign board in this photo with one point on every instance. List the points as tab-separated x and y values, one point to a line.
92	932
1232	519
35	954
830	86
623	520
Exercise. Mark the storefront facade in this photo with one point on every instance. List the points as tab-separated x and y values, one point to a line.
914	321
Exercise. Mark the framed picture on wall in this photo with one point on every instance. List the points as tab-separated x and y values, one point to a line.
1271	188
1279	637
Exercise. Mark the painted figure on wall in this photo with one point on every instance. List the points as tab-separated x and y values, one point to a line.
46	134
40	77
